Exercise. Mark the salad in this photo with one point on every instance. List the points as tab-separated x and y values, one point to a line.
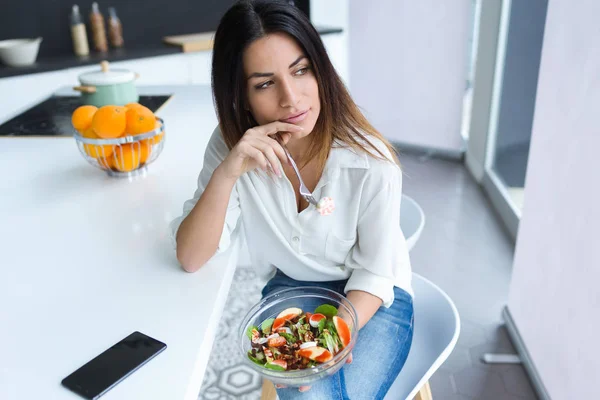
298	340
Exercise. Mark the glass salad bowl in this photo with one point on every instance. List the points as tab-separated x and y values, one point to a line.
287	310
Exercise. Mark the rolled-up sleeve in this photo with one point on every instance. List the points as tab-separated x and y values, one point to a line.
379	259
215	153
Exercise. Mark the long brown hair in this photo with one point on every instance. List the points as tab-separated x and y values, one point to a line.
340	118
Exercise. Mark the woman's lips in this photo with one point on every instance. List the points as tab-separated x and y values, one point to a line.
297	118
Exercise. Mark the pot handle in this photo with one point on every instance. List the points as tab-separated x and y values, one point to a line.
85	89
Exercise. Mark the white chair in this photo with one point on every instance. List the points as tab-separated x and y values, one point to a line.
412	220
437	323
436	330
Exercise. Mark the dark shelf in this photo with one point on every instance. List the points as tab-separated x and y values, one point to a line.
48	64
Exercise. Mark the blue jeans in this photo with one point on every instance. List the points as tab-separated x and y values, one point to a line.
378	356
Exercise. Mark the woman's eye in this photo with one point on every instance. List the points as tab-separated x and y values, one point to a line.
302	71
264	85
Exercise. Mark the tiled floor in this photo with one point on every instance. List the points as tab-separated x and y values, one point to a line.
463	249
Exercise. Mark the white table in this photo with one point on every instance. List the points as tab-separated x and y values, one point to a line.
85	260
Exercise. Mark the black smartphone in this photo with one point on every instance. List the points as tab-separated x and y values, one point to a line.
109	368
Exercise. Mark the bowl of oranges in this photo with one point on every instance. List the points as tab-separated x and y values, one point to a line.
121	140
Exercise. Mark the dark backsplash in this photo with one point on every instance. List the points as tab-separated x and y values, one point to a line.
145	22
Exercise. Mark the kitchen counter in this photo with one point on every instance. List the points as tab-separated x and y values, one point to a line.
86	260
72	61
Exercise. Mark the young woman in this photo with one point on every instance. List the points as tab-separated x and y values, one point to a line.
274	84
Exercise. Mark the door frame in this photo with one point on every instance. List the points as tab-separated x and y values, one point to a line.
491	182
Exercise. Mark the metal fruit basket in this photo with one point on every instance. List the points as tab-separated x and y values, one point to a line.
109	154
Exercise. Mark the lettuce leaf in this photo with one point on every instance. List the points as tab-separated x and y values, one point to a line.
266	325
327	310
249	331
256	360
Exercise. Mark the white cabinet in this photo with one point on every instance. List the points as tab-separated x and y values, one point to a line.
18	93
200	67
165	70
336	45
334	13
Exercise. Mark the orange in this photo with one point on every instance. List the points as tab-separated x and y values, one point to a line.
145	150
107	162
82	117
157	138
109	122
127	157
89	133
93	150
133	105
139	120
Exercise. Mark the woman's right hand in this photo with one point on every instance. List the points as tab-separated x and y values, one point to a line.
257	149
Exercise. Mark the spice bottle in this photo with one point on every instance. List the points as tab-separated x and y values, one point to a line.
98	29
115	29
78	33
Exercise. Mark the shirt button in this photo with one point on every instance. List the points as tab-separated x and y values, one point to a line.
295	238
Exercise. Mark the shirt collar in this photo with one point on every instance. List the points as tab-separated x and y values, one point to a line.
342	155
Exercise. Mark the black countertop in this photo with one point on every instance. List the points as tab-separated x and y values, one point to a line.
57	63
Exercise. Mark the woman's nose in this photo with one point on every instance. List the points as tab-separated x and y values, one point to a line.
289	94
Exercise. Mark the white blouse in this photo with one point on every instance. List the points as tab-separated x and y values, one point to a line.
360	241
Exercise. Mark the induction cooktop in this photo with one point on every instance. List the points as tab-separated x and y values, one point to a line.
52	117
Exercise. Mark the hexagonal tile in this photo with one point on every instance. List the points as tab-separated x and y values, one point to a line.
238	380
210	377
479	383
214	393
516	382
458	360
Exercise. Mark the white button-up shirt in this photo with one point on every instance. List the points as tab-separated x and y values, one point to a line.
361	241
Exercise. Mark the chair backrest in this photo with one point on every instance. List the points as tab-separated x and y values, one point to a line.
412	220
436	330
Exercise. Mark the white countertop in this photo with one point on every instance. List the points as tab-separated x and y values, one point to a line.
85	260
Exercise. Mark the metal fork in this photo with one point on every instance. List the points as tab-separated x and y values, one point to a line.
304	192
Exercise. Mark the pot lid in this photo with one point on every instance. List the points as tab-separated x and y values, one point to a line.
106	76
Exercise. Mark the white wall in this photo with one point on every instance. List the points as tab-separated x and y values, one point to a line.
334	13
554	295
408	67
